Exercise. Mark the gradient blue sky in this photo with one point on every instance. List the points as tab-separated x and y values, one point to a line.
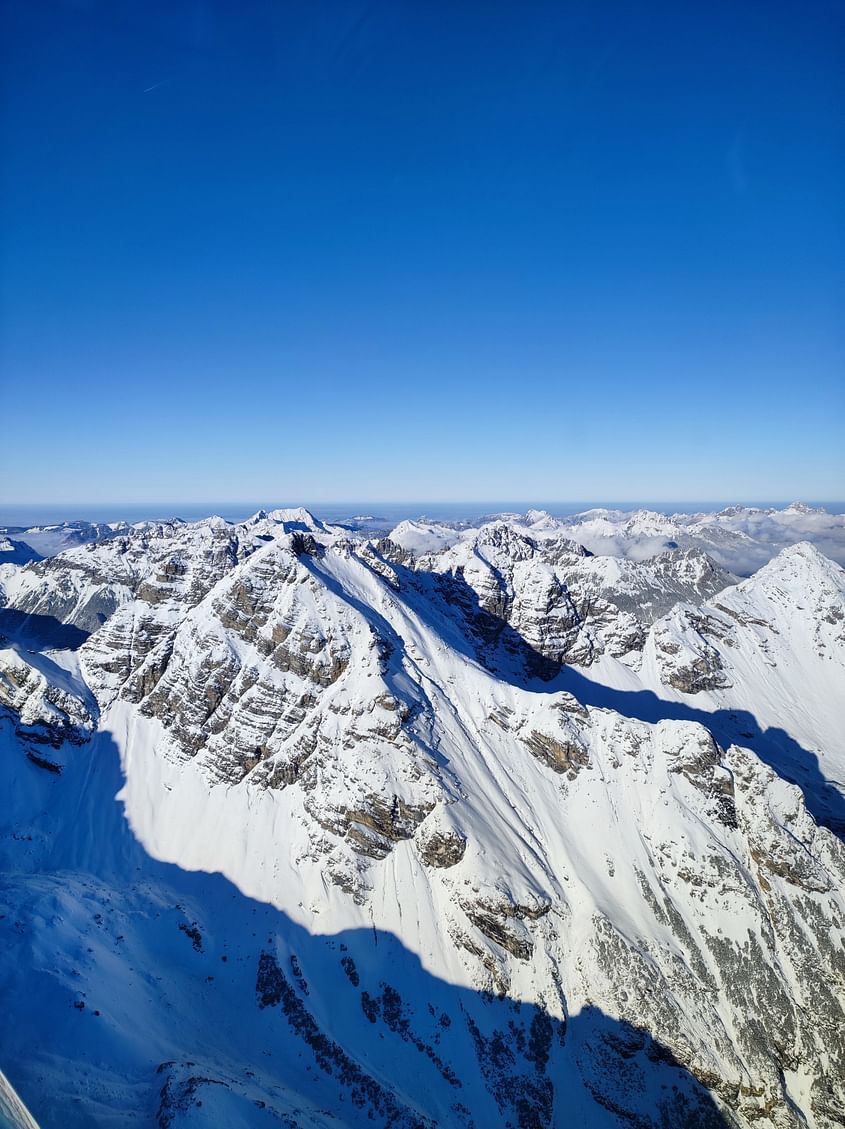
422	250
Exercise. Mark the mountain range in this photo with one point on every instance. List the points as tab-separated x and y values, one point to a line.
528	822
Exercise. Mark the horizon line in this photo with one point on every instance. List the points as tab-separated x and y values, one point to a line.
293	504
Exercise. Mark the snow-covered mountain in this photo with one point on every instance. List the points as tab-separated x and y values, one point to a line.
480	829
739	538
48	540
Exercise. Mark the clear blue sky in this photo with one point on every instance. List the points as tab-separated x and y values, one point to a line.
427	250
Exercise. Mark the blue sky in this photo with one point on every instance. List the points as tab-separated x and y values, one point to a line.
422	250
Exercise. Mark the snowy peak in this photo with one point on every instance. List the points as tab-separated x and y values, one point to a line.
499	540
799	583
799	588
802	560
421	537
296	519
541	519
765	659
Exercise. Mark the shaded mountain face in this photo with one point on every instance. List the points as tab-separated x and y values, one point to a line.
14	552
510	833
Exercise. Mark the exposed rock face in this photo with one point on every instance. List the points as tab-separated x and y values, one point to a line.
356	737
688	660
44	709
442	848
561	756
564	605
376	826
160	562
498	918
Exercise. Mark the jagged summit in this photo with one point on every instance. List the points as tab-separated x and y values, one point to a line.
803	508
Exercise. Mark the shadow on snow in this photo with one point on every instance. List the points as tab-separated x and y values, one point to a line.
489	640
40	631
134	986
774	746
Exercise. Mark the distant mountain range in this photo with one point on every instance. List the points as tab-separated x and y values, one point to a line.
740	538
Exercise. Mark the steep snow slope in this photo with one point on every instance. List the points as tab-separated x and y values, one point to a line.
605	910
143	994
762	662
